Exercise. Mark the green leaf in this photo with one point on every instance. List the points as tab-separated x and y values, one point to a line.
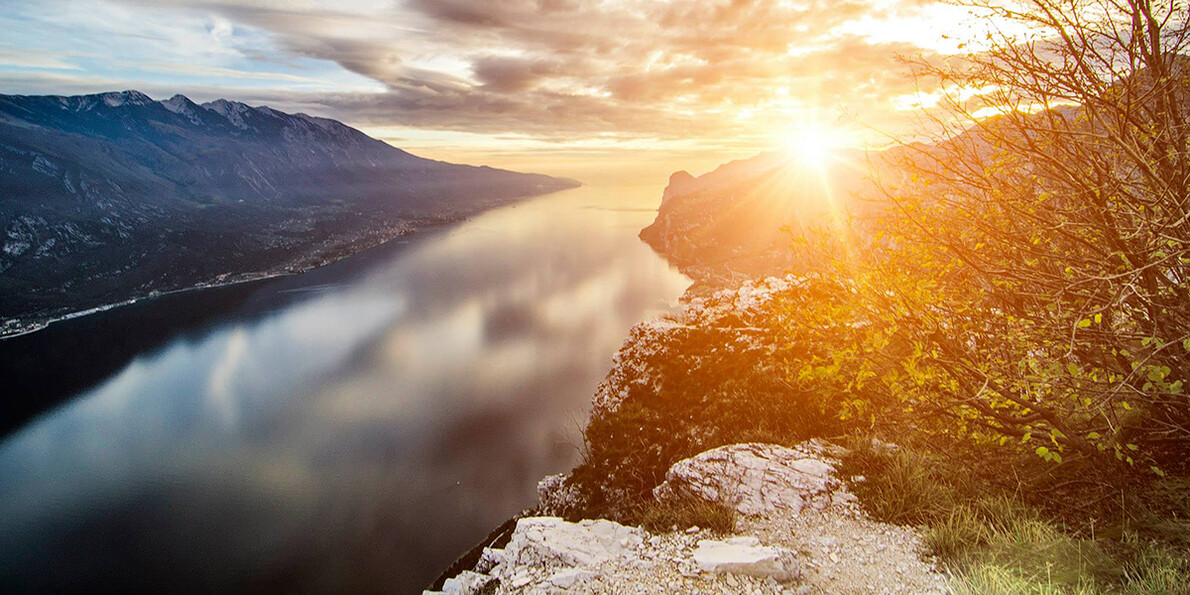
1084	323
1098	318
1157	470
1042	451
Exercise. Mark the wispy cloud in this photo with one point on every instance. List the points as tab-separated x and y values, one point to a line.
548	69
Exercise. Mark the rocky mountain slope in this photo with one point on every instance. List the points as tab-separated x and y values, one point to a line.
112	196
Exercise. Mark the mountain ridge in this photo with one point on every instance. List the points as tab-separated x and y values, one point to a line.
111	196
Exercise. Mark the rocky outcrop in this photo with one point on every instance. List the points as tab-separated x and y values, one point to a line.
468	583
757	479
735	221
550	541
799	532
680	183
633	366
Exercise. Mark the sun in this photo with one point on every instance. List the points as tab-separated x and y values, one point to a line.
810	144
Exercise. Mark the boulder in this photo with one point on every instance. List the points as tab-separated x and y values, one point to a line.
551	541
757	479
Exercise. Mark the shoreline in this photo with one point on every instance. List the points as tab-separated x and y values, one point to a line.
33	327
27	327
11	328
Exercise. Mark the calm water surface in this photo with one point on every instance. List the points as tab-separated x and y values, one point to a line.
352	429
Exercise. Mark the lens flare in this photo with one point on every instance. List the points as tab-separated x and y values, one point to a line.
811	145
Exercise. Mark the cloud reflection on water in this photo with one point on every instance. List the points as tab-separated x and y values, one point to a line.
364	434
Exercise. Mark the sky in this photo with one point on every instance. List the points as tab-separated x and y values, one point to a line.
568	87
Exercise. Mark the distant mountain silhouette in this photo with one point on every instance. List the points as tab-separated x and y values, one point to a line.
736	220
111	196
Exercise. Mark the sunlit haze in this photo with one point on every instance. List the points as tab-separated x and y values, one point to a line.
570	87
693	297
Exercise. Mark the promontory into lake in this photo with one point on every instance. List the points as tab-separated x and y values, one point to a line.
559	296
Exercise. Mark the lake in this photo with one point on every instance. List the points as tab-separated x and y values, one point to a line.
351	429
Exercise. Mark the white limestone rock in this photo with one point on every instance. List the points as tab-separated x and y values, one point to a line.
745	555
489	558
555	495
568	578
758	479
551	541
466	583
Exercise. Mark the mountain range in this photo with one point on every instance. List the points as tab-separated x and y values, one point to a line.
113	196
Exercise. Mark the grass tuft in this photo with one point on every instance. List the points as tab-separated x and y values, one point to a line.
993	579
660	517
899	486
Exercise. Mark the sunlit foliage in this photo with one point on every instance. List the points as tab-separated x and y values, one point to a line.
1027	286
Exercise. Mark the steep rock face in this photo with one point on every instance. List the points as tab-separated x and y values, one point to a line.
109	196
634	366
680	183
737	219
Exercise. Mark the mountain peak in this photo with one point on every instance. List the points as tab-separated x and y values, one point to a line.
232	110
120	98
679	183
177	100
181	105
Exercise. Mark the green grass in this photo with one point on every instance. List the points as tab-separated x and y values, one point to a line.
993	542
901	486
1157	570
988	579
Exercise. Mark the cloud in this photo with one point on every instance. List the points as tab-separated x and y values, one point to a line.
560	68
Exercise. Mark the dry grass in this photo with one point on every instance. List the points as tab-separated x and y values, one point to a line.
659	517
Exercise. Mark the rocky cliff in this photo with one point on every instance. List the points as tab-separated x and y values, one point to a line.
740	220
794	526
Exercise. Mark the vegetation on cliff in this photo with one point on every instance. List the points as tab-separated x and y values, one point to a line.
1016	318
